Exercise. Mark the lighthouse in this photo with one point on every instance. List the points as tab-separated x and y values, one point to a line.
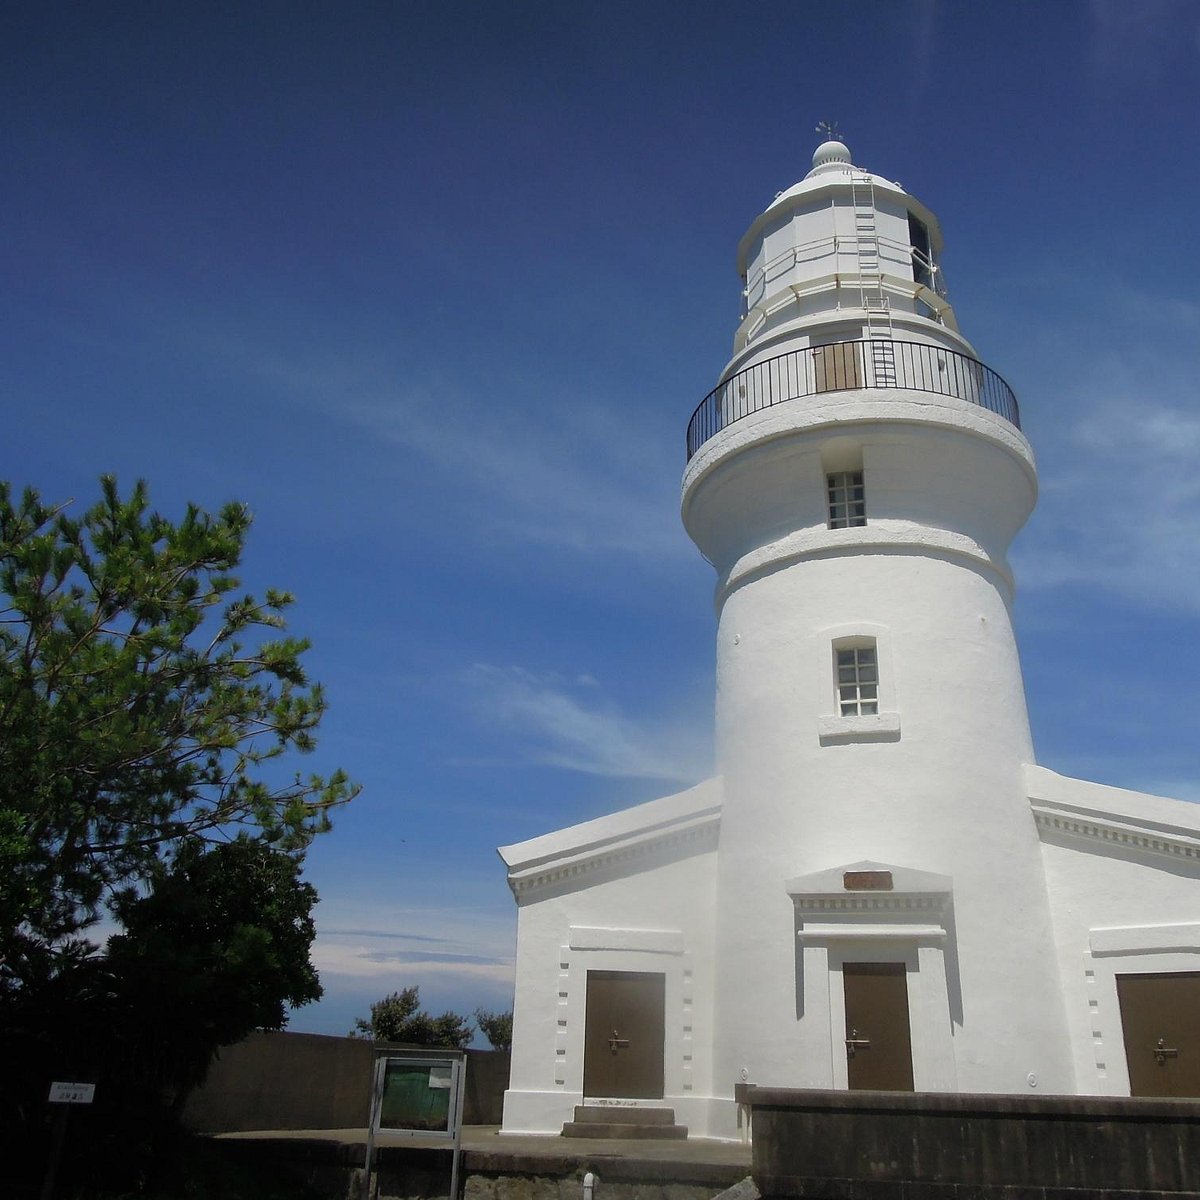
880	889
856	479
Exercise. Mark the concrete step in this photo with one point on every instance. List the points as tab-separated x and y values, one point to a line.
630	1132
617	1121
621	1115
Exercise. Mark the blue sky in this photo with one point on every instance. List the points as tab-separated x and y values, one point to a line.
434	289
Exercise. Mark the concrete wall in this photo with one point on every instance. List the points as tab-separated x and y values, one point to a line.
334	1169
309	1081
937	1147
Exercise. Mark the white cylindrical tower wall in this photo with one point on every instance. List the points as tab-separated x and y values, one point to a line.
932	781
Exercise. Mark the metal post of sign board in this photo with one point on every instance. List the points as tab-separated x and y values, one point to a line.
65	1095
372	1125
460	1093
417	1093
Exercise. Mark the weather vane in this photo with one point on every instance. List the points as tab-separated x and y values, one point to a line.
830	130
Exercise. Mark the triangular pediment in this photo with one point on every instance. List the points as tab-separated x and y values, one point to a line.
868	876
871	898
626	841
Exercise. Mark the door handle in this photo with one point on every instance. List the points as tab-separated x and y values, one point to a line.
1162	1052
616	1042
854	1043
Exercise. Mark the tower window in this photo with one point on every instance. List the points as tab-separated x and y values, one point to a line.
847	499
857	680
864	687
922	252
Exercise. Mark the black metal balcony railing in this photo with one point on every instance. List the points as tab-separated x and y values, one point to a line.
845	366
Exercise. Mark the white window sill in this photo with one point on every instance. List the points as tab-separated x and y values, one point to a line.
881	727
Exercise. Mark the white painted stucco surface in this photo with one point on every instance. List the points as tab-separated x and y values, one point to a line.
1018	896
631	892
1123	871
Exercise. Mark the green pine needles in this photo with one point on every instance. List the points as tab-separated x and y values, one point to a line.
143	703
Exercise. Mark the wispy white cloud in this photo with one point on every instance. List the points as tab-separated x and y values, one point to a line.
569	724
1152	771
370	940
567	480
572	472
1125	516
1156	312
1178	789
1134	39
362	960
1120	463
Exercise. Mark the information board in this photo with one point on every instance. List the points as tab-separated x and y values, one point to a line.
417	1094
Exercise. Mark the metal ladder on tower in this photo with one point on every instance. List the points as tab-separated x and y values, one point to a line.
880	350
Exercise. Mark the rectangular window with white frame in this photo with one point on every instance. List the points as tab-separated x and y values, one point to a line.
847	500
863	687
857	680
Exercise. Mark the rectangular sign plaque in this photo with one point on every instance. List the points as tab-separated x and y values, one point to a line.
867	881
72	1093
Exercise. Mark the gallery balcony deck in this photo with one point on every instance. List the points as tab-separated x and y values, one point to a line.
850	366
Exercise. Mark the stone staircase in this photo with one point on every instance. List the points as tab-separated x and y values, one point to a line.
619	1121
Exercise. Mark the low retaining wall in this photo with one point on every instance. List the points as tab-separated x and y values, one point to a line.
334	1170
935	1146
311	1081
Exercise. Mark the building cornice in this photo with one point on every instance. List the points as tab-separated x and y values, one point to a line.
1111	831
880	537
1097	816
623	854
858	905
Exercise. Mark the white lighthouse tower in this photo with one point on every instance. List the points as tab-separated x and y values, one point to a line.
856	479
881	889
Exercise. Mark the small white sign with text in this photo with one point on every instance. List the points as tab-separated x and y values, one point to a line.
72	1093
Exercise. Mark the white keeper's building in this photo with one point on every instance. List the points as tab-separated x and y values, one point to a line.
881	888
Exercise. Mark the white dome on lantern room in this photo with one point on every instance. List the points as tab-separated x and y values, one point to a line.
841	244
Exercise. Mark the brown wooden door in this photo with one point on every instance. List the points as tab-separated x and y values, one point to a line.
838	367
623	1035
878	1045
1160	1017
